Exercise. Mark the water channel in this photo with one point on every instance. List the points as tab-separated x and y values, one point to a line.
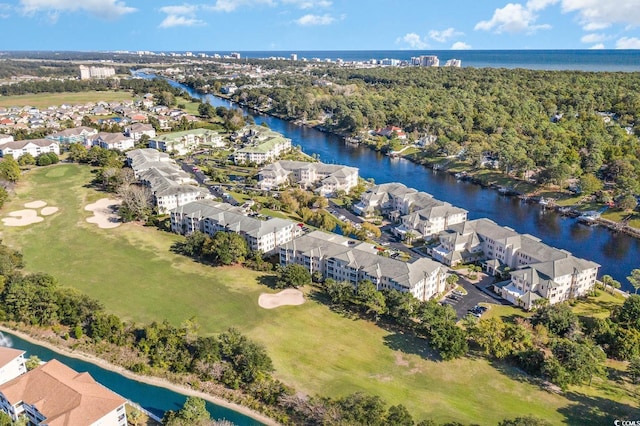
616	252
154	399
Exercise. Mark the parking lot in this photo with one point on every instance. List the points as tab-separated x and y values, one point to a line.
474	296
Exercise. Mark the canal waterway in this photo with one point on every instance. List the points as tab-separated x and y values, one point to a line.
154	399
616	252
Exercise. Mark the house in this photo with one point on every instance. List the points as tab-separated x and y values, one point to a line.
12	364
390	131
34	147
210	217
113	141
260	145
5	139
80	134
326	179
429	219
184	142
56	395
345	259
536	270
136	131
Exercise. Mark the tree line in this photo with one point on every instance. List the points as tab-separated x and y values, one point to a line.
551	124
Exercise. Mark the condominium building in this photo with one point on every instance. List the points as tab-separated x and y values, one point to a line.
537	270
184	142
416	212
345	259
425	61
113	141
260	145
12	364
170	185
56	395
211	217
34	147
136	131
83	135
96	72
325	179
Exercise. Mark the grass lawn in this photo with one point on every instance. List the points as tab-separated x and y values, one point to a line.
43	100
133	272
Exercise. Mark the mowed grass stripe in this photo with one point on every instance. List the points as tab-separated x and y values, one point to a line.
44	100
133	272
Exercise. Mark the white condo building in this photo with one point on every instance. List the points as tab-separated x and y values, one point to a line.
34	147
210	217
326	179
12	364
536	270
345	259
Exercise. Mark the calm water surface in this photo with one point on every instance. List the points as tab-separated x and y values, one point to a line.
617	253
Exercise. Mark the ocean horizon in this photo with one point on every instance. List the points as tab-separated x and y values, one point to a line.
552	60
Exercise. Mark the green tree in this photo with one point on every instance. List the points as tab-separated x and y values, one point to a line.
590	184
398	415
32	362
627	202
9	169
193	412
524	421
634	369
363	409
226	248
293	275
26	160
634	279
559	319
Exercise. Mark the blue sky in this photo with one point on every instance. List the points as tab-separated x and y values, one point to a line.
224	25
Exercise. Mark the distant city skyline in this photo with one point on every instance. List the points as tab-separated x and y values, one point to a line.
280	25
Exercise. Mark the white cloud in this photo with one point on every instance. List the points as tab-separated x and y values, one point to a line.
314	20
444	35
514	18
599	14
309	4
108	9
460	45
413	40
180	21
628	43
5	10
593	38
597	46
181	16
231	5
536	5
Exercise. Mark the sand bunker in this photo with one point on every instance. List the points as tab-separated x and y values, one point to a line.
48	211
35	204
104	213
22	218
286	297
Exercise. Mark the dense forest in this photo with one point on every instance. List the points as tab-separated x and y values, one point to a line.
553	125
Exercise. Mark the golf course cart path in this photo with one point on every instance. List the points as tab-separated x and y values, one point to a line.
286	297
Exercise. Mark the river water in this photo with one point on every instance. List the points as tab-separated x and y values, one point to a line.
155	399
617	253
